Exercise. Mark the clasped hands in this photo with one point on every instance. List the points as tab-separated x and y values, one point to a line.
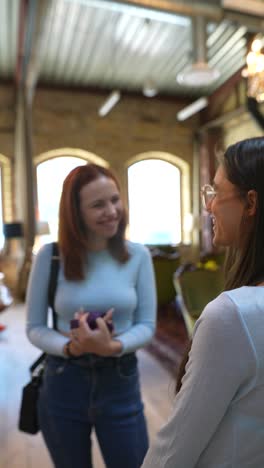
98	341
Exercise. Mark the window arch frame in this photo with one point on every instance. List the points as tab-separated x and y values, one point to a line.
64	153
6	185
70	152
185	187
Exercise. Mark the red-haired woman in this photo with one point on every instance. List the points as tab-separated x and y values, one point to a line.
91	376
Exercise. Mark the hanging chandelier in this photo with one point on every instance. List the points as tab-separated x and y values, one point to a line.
255	69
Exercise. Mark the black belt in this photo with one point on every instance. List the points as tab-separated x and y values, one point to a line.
94	361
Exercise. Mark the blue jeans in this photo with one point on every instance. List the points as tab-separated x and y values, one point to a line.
93	392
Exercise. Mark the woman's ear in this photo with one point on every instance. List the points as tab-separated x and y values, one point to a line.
252	199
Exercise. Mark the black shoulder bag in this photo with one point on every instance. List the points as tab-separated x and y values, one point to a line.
28	420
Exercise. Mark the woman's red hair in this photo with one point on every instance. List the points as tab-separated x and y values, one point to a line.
72	231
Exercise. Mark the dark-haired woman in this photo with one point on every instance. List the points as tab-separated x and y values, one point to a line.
218	415
91	376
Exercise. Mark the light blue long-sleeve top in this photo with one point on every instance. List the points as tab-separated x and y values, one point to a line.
218	415
128	287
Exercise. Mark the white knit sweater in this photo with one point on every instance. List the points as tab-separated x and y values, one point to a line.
218	416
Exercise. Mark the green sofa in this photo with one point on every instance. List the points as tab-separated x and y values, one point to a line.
196	287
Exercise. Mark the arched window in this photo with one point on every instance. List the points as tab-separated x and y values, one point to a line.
155	205
50	177
6	203
2	238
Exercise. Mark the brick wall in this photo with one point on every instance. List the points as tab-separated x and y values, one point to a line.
135	125
7	120
66	118
241	128
7	129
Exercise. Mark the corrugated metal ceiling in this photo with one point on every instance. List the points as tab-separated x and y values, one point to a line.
98	47
85	44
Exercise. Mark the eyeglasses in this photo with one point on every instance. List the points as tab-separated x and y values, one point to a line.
207	193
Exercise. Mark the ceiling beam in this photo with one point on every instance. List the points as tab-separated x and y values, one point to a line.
39	11
249	7
253	24
187	8
223	119
219	97
31	33
21	41
169	7
171	11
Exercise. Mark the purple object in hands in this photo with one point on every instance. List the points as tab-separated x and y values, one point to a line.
91	320
74	323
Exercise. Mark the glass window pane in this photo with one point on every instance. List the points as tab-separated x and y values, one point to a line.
2	238
154	190
50	177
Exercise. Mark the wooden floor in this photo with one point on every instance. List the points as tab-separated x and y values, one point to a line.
19	450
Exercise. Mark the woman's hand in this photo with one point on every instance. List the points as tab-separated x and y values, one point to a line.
98	341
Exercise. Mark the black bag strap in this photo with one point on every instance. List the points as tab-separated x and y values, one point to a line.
53	277
54	270
37	362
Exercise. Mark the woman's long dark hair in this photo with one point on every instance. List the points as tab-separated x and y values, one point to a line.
243	163
244	167
72	231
